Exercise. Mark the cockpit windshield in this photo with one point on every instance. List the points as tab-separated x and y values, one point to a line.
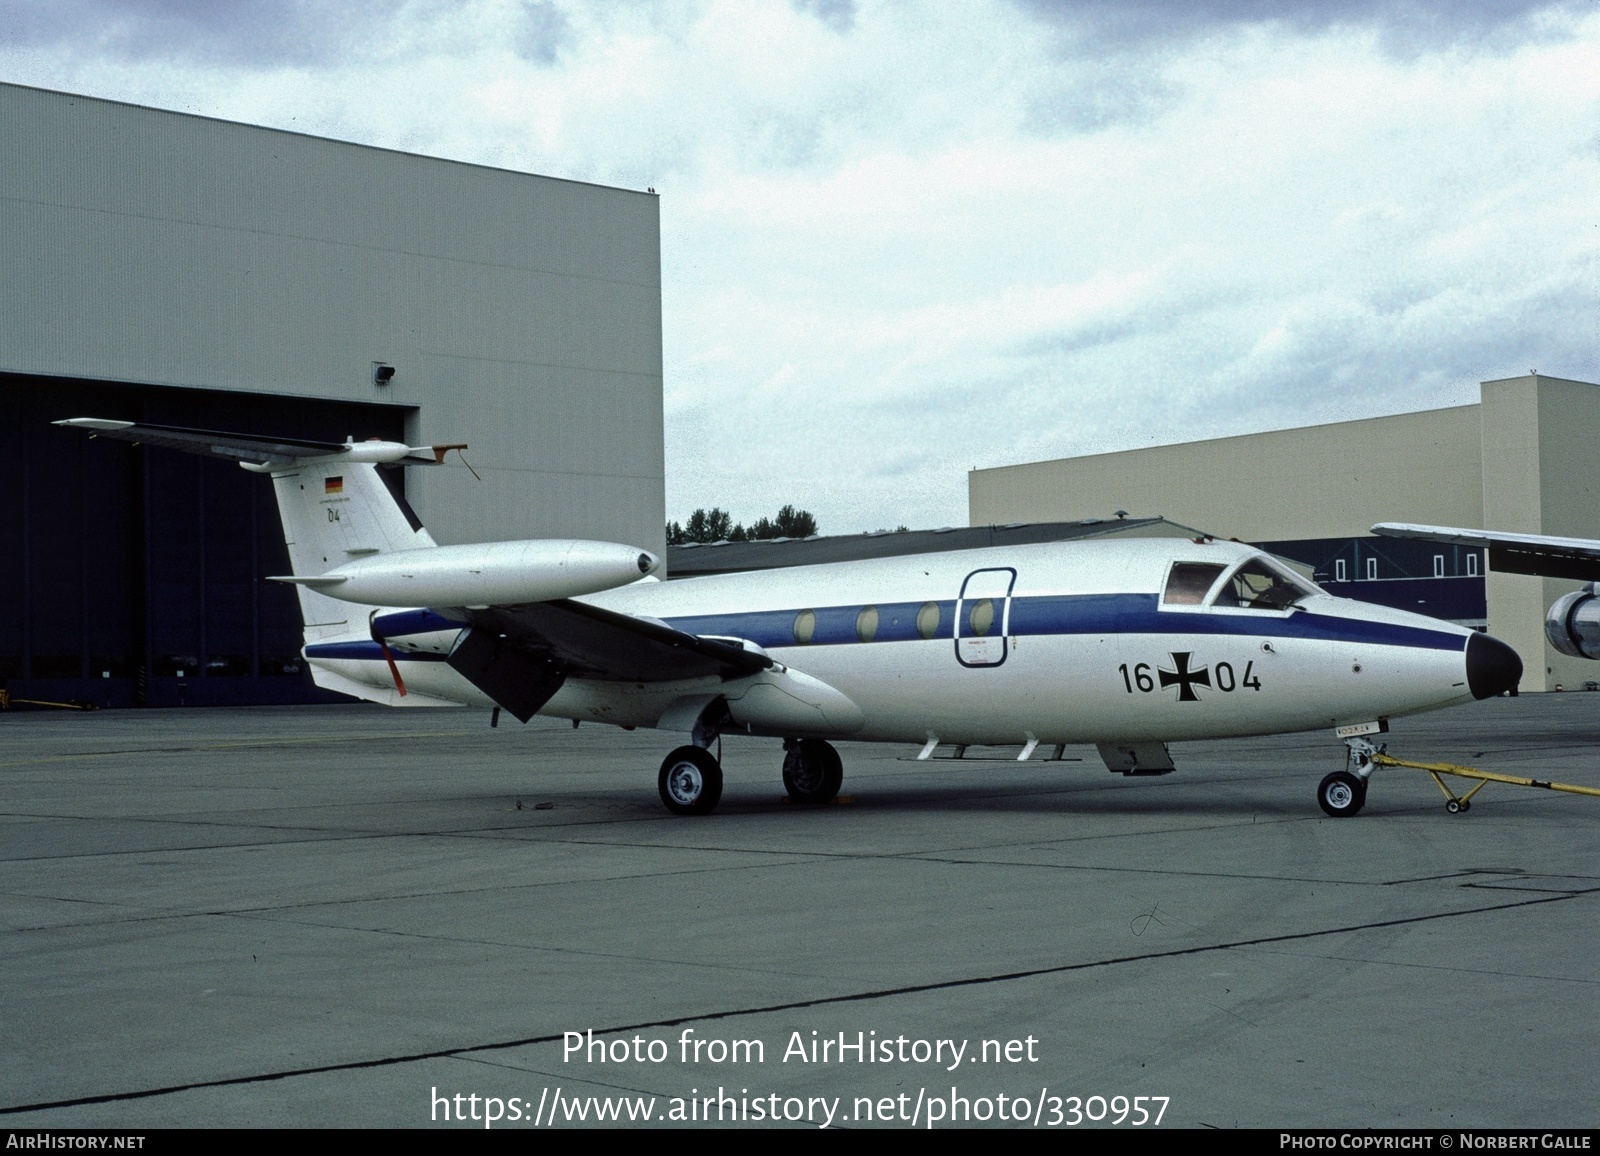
1257	585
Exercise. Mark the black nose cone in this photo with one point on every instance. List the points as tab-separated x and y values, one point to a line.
1492	666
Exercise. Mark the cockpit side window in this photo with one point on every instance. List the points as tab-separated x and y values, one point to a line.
1258	586
1188	582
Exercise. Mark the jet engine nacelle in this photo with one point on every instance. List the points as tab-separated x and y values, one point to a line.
1573	624
486	574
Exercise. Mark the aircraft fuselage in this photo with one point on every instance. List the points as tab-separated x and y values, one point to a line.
1063	643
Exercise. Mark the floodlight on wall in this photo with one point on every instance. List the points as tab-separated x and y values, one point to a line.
382	374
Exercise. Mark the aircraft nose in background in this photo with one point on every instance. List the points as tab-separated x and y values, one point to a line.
1492	666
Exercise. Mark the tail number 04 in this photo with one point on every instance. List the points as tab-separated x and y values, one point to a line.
1227	680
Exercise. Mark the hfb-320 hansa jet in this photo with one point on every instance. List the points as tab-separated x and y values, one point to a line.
1127	644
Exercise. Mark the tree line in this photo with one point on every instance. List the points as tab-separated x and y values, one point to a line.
717	525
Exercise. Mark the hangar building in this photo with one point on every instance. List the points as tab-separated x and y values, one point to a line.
187	271
1521	461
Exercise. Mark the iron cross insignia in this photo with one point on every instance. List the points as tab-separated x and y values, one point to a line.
1184	678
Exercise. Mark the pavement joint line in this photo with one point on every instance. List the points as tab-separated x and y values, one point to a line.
146	915
947	855
1152	871
793	1005
1516	975
401	933
565	1078
1139	834
1464	873
335	835
308	740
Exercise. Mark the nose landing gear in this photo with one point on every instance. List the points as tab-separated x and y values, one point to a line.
1342	794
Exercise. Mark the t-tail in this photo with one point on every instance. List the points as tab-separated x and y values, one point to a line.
361	558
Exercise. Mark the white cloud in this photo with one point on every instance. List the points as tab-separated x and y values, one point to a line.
899	241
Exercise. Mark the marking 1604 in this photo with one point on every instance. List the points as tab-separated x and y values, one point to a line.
1142	677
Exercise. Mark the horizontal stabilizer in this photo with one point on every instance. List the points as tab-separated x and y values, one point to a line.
255	448
313	580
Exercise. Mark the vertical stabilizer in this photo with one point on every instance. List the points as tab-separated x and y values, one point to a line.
335	511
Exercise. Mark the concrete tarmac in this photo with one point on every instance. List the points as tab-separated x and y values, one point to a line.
346	916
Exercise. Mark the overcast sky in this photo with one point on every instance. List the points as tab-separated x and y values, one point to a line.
900	240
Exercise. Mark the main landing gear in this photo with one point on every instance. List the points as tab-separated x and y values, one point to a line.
690	781
812	771
691	777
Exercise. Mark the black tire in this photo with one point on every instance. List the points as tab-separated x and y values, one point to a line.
1342	794
812	771
690	781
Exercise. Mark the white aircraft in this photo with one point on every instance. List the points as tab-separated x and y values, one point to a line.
1572	623
1127	644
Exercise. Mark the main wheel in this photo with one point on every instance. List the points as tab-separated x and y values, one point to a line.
690	781
1342	794
812	771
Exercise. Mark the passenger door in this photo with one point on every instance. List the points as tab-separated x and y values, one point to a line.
983	616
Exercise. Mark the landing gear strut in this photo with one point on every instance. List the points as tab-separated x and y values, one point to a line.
812	771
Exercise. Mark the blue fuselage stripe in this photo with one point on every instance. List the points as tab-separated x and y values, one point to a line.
1062	614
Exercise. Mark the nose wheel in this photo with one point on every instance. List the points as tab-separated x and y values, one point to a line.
1342	794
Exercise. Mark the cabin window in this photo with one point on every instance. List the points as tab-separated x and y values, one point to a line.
1339	570
867	623
1258	586
1372	569
1472	564
928	620
805	626
1189	581
1438	565
980	617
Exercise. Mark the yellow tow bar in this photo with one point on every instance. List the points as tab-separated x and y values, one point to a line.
6	702
1455	803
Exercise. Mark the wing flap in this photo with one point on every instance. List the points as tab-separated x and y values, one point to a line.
519	681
